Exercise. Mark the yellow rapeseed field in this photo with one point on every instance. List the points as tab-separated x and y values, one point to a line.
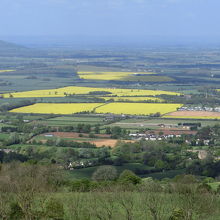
115	108
110	75
50	108
5	71
71	90
133	99
138	108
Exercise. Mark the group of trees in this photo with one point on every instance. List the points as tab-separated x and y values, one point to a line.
159	155
12	156
209	133
9	106
59	142
205	99
209	168
116	132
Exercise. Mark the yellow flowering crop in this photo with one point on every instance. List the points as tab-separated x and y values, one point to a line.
114	108
110	75
50	108
5	71
133	99
137	108
71	90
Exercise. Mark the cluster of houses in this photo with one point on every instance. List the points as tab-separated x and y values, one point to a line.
79	164
199	108
159	136
9	122
199	141
153	137
7	151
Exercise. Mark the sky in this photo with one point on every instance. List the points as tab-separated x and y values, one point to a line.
111	19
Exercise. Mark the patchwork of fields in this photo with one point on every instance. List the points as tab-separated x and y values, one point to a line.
123	101
113	94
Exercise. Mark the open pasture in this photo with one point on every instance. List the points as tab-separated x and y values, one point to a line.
86	119
137	123
68	120
74	90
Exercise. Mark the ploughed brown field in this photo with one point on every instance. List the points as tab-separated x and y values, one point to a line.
74	135
106	142
194	114
101	140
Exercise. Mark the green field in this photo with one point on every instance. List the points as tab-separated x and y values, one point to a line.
73	121
4	136
137	123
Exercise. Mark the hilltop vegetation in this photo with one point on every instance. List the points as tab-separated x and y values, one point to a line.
33	191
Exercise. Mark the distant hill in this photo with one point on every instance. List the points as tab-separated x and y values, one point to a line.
10	46
10	49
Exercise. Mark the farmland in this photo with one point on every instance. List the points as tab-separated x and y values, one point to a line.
109	75
137	108
124	76
66	101
193	115
6	71
99	141
74	90
70	108
154	123
115	108
133	99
